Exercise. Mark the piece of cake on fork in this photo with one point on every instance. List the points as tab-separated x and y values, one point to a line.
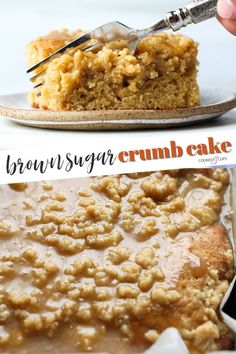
162	74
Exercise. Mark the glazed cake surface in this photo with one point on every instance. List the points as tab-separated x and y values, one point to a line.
107	264
162	74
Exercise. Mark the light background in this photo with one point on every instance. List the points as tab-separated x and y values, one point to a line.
23	20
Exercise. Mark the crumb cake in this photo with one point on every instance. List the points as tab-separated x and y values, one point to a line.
161	75
106	264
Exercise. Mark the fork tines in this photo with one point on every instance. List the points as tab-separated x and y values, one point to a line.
75	43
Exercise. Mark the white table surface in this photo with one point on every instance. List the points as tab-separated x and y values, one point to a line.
22	21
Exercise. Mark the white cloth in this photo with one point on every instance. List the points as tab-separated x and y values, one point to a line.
169	342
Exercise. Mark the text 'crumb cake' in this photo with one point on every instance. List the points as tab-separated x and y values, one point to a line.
107	264
162	74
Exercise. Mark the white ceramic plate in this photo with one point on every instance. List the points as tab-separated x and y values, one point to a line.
214	103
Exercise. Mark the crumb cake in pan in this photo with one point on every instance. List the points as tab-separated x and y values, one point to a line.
161	75
106	264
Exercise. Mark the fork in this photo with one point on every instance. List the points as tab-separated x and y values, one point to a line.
194	12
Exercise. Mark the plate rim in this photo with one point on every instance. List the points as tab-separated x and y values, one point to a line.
105	115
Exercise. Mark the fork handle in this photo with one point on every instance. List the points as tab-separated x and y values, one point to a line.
194	12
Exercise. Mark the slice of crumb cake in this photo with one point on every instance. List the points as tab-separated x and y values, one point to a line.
161	75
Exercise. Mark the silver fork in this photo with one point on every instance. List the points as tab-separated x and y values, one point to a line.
194	12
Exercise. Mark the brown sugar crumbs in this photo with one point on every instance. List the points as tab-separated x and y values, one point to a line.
108	263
